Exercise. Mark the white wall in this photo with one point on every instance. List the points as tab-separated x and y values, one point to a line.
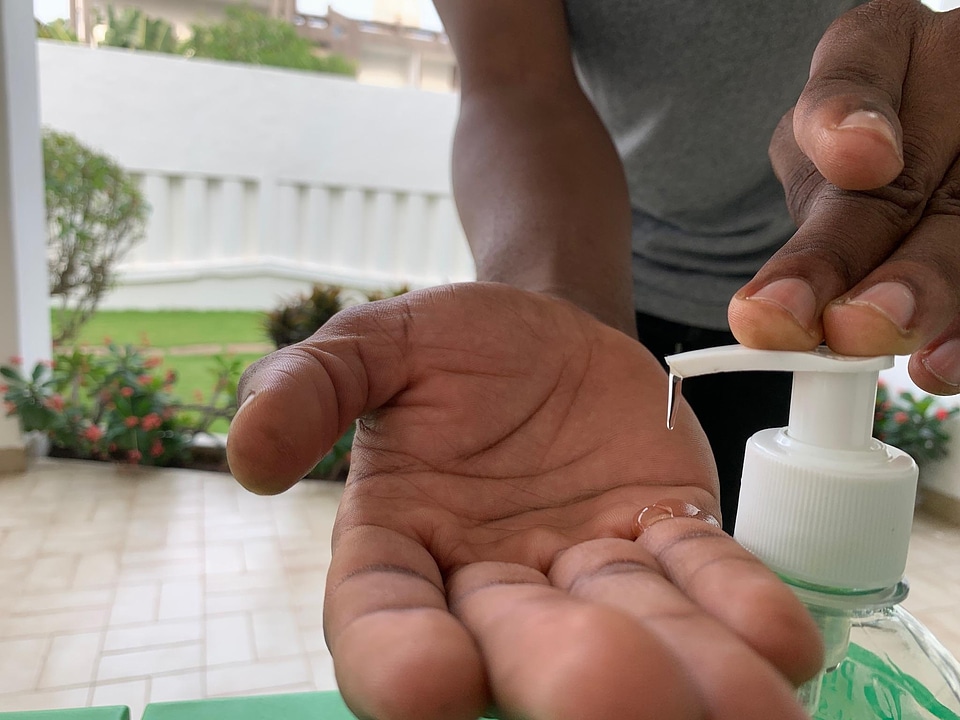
264	180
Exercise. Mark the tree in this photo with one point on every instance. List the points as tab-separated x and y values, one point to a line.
130	28
248	36
95	214
56	30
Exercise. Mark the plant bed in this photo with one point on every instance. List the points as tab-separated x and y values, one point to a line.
120	406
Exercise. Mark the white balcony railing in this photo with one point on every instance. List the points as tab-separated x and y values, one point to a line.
262	181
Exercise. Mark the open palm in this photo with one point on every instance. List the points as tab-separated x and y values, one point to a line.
485	548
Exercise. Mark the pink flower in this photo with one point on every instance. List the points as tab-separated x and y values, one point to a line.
134	456
93	433
4	388
16	360
144	379
48	363
132	421
156	450
126	392
170	377
941	414
901	417
10	407
153	361
151	422
54	402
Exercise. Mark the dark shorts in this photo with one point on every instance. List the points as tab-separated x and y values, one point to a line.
731	407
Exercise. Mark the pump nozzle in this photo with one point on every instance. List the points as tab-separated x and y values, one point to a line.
833	395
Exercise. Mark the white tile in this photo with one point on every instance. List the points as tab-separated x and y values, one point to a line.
136	604
51	573
258	677
276	634
70	660
181	686
132	693
181	599
20	663
144	663
152	635
229	639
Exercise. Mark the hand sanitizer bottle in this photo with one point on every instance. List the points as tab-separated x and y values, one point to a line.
830	509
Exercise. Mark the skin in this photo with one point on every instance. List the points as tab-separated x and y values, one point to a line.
511	430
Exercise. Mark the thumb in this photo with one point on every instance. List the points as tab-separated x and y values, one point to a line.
296	402
846	120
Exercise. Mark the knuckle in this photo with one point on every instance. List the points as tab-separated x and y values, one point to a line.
946	198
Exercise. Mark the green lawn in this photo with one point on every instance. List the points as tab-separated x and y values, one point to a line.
164	329
195	374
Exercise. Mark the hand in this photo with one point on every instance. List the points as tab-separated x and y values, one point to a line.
870	161
484	549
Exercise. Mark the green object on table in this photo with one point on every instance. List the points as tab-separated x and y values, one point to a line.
114	712
293	706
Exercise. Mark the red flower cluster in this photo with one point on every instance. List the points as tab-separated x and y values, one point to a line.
93	433
151	422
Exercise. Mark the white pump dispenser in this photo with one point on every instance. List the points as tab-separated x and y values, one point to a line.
822	503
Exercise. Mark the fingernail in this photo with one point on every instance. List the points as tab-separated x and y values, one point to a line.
793	295
893	300
944	363
871	120
671	508
244	403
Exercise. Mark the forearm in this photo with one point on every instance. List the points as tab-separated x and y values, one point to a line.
543	199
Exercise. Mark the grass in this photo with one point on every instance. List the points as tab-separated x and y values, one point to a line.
162	330
195	378
166	329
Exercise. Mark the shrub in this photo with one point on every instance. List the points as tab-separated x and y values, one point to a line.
913	425
119	405
95	214
299	318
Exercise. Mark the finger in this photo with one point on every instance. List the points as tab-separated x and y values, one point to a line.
398	653
936	368
732	679
906	302
296	402
846	120
887	260
732	585
553	657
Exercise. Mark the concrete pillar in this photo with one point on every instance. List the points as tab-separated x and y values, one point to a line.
24	296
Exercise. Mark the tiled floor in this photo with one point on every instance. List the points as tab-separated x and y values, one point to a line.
127	587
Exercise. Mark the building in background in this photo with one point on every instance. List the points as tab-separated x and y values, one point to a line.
390	54
389	50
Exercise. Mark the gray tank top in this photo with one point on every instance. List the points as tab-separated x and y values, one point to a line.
691	91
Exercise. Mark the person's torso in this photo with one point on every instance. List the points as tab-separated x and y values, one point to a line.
691	92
